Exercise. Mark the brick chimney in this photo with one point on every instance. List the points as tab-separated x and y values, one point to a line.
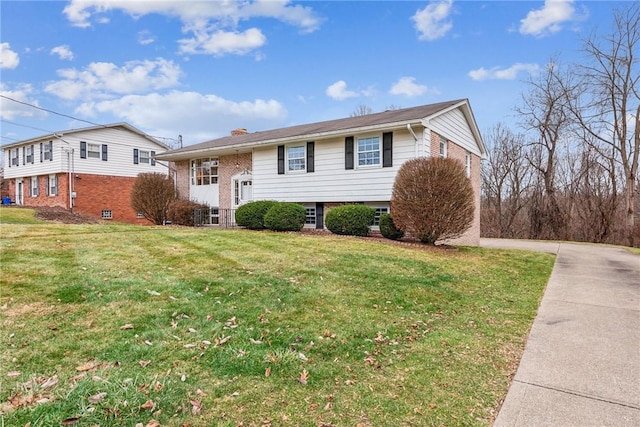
239	131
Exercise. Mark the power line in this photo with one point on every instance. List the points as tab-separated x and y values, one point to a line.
25	126
50	111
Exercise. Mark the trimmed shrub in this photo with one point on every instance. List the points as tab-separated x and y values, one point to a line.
352	220
388	229
152	193
180	212
285	217
251	215
432	199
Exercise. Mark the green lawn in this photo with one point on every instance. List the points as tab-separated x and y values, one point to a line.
119	325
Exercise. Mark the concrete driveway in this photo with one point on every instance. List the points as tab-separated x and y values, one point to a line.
581	364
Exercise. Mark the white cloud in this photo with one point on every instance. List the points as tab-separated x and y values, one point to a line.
213	24
223	42
431	22
406	86
145	37
201	116
339	91
548	19
10	110
104	79
496	73
8	58
63	52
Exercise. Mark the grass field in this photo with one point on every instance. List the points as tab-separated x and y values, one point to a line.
125	325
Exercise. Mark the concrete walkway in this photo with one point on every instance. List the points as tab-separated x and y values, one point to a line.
581	364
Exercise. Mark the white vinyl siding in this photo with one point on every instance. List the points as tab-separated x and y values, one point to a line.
120	144
330	181
453	126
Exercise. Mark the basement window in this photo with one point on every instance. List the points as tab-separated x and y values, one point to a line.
107	214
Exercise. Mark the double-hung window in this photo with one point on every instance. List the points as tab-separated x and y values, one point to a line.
52	185
144	156
29	154
47	151
368	151
93	151
443	147
296	158
15	159
33	187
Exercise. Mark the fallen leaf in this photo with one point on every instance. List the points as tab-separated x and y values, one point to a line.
189	345
200	393
147	342
97	397
304	377
267	372
87	366
148	405
235	394
196	406
154	293
127	326
153	423
144	363
222	340
193	331
50	382
70	420
255	342
12	374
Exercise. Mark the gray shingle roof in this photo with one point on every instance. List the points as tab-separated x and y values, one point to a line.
330	126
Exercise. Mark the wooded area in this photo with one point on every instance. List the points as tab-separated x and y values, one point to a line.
570	170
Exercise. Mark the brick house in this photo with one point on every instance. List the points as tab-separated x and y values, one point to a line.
322	165
90	171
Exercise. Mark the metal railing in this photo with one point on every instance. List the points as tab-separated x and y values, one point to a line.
225	218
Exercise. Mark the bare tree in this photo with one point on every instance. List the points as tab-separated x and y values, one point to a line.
361	110
506	177
610	98
546	118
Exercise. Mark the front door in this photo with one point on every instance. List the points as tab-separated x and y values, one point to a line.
19	200
242	189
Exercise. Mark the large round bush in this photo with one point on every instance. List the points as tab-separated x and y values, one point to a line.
181	212
285	217
432	199
251	215
388	229
352	220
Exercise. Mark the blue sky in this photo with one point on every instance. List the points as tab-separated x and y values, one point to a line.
201	68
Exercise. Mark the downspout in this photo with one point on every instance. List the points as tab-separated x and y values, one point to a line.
415	139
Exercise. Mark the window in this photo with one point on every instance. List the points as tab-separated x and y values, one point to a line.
310	218
107	214
379	211
144	156
139	215
29	154
467	164
52	185
47	151
204	171
369	151
33	186
15	160
93	151
215	216
443	147
242	190
296	158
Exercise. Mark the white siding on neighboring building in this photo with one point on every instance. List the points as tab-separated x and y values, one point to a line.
120	144
453	126
330	182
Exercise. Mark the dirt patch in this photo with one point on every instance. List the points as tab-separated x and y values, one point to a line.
61	215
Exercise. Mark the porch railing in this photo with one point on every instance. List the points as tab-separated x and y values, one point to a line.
225	218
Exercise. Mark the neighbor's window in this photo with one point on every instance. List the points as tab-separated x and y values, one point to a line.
33	187
52	185
107	214
29	155
443	147
204	171
144	156
296	158
369	151
93	150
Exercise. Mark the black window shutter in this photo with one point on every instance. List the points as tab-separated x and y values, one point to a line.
83	150
46	185
41	152
33	154
24	155
280	159
153	160
135	156
348	152
104	152
387	149
319	215
51	151
310	156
